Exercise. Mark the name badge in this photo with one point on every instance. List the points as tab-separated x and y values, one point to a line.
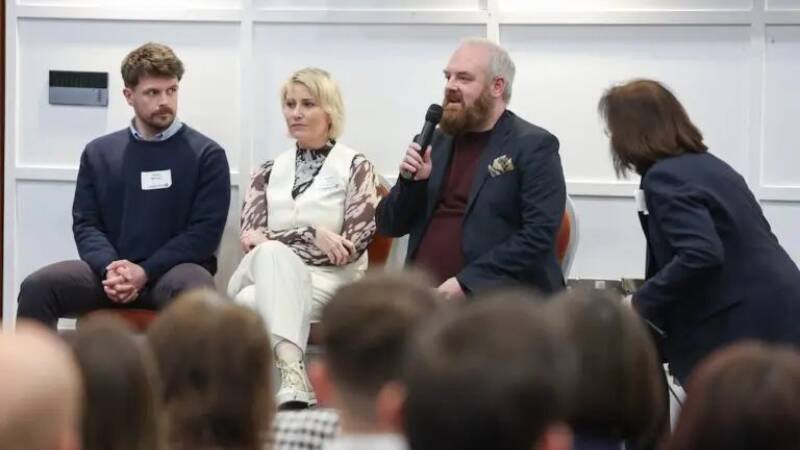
641	204
327	183
157	179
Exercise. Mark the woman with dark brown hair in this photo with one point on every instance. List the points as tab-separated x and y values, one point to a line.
215	361
715	272
122	408
743	397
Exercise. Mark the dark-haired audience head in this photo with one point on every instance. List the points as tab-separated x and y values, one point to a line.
619	389
494	374
646	123
365	329
122	408
743	397
215	362
40	391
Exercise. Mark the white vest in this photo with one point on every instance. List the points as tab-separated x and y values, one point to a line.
322	203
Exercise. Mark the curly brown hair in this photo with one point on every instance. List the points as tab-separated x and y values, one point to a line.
151	59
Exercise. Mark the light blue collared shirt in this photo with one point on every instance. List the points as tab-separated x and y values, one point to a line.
163	136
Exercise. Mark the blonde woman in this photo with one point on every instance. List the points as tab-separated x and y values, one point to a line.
307	219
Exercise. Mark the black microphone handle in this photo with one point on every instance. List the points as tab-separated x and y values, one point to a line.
423	137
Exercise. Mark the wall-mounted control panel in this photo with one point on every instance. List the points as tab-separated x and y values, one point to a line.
78	88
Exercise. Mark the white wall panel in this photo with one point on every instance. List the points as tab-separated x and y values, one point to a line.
563	70
370	4
611	244
54	135
388	75
781	157
230	253
44	226
138	4
784	218
783	4
611	5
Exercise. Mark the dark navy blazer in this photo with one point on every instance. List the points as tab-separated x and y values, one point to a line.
715	272
511	219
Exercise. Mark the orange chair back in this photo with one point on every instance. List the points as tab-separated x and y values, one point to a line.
567	238
378	250
137	320
562	239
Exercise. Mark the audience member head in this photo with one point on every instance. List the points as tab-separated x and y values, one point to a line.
493	374
365	328
619	388
122	408
313	107
742	397
479	76
40	391
215	362
646	123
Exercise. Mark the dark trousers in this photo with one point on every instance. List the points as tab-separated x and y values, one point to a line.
70	289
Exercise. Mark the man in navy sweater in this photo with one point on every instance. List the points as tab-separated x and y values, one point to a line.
150	206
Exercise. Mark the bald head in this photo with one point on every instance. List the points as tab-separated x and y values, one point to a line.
495	60
40	391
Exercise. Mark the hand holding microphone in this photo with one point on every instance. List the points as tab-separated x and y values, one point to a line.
417	161
416	165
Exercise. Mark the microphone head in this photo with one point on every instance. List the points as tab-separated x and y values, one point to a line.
434	113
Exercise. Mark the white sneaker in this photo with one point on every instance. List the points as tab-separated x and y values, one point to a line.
295	386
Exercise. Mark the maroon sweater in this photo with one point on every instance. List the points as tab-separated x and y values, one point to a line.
439	250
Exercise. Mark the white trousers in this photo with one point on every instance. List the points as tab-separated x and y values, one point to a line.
287	293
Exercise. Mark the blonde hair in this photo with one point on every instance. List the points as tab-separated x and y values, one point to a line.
325	91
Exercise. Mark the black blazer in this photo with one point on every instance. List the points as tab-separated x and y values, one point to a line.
715	271
511	220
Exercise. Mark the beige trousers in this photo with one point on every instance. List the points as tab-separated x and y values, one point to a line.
288	294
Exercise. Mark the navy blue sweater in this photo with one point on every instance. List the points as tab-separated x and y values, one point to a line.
114	218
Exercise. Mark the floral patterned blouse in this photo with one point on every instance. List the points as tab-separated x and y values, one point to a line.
361	198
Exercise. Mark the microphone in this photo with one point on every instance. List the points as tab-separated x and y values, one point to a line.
432	118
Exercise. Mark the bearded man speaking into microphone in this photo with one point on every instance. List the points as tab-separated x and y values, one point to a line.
483	203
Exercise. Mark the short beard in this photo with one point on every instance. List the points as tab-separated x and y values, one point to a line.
469	118
156	124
